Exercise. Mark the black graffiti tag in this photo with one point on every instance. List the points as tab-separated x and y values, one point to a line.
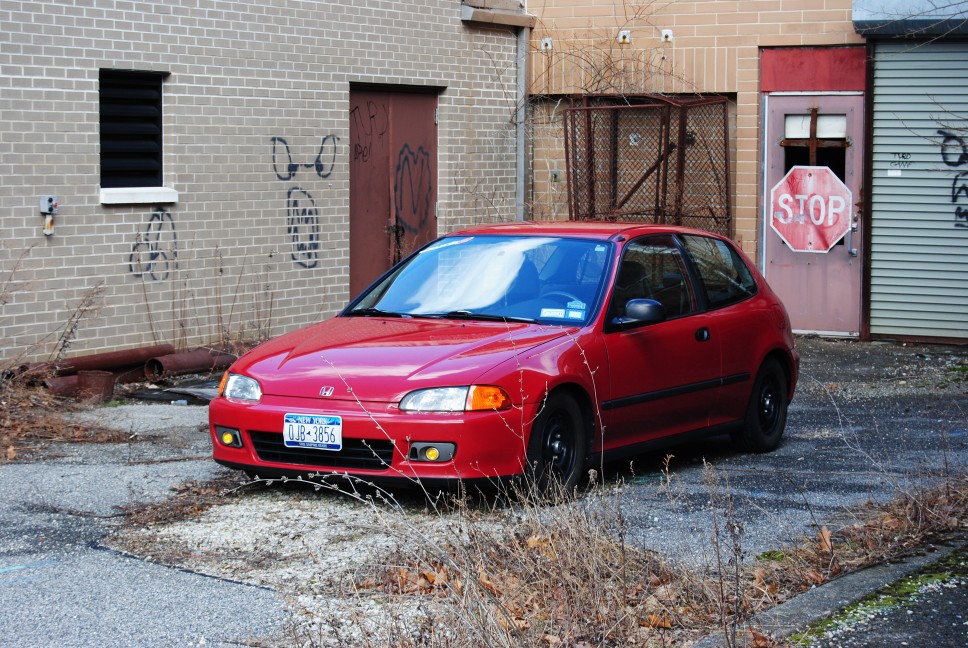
303	227
286	168
302	221
413	188
954	153
367	127
155	252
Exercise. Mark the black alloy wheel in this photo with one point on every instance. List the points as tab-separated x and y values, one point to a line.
556	449
766	412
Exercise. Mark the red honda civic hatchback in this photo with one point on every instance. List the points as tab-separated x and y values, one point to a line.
524	348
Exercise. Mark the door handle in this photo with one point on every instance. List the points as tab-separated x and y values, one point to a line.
702	334
851	250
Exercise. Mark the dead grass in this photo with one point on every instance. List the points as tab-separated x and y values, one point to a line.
564	575
188	500
875	533
32	419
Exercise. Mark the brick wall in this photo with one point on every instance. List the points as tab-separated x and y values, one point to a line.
219	260
714	49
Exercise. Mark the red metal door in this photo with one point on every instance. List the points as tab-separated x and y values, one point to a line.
821	290
393	179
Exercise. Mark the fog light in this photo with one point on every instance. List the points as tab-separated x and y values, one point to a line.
229	436
432	452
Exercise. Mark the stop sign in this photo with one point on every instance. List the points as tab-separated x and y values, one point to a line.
810	209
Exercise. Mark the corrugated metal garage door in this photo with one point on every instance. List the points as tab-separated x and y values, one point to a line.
919	246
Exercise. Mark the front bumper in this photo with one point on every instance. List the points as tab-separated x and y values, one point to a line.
378	440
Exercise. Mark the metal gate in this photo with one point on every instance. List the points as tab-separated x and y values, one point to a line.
652	159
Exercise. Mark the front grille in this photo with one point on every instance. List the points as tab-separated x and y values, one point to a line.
365	454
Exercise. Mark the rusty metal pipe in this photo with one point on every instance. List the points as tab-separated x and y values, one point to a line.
199	360
63	386
107	361
67	386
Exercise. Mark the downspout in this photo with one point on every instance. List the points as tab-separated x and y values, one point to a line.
520	121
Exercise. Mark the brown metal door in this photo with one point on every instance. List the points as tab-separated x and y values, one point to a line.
393	179
822	292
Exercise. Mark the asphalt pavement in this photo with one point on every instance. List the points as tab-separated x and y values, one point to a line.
868	421
60	587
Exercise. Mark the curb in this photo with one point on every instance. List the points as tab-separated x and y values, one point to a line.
820	602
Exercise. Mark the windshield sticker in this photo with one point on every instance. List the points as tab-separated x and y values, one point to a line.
576	305
575	314
553	312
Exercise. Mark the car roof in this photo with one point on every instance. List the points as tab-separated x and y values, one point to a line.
583	229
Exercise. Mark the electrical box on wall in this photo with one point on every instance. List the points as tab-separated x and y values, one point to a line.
48	204
48	207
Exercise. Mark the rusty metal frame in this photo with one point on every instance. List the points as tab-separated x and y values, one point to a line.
595	168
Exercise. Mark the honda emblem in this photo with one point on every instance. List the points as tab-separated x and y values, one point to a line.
326	391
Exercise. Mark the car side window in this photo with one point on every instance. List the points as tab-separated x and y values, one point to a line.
652	268
725	276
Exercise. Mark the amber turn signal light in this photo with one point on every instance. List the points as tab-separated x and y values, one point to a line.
487	397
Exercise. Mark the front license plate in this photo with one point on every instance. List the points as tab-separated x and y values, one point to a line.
313	431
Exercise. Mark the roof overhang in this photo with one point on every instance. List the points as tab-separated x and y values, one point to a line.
509	13
909	18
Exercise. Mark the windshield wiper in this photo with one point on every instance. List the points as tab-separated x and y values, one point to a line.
372	312
484	317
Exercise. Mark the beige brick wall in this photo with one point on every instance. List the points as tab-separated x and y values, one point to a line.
241	73
714	49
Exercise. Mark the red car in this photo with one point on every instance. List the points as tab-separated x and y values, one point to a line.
524	348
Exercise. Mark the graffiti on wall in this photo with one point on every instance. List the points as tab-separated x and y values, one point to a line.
368	127
302	214
303	227
154	254
413	189
286	168
954	153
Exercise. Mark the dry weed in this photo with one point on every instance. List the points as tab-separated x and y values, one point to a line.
547	575
877	533
31	419
189	500
564	575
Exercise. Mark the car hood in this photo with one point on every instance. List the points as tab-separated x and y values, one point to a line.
377	359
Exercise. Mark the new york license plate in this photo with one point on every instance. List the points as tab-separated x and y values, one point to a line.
318	431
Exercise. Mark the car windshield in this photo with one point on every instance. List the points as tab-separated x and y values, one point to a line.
544	279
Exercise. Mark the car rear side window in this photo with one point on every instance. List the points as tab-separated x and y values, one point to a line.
725	276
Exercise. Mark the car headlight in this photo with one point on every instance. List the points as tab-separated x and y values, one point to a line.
239	387
456	399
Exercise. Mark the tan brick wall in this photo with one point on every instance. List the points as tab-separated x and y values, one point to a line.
241	73
714	49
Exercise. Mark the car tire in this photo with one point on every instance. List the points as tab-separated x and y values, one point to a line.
766	412
556	447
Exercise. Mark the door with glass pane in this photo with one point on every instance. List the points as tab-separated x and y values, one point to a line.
822	291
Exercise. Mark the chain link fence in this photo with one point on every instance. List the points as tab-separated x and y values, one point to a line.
651	159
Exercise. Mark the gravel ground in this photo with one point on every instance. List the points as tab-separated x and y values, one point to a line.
60	586
869	420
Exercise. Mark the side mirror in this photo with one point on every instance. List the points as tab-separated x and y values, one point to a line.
638	312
